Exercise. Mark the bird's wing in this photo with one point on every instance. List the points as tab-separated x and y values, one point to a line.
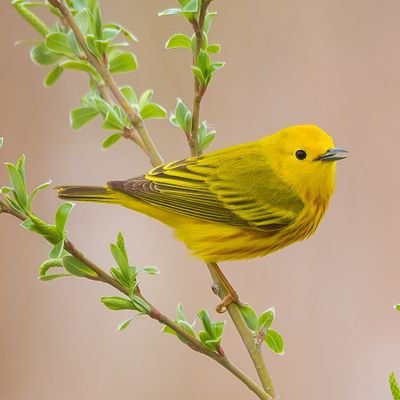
236	189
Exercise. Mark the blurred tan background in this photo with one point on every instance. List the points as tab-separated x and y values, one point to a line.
334	63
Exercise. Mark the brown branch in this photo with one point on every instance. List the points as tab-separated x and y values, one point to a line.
154	313
102	69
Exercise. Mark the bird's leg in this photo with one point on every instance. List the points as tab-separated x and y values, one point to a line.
227	291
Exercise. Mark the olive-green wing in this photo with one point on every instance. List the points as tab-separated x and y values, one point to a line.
232	187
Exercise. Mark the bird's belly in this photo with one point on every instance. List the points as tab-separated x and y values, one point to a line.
215	242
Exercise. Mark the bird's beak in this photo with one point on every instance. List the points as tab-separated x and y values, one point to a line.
333	155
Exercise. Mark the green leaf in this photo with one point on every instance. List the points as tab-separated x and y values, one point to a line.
274	341
124	324
266	318
35	192
218	328
110	34
206	140
145	98
56	251
170	11
58	43
203	62
79	66
167	329
98	25
205	320
181	111
30	226
191	6
77	267
18	185
48	264
53	277
151	270
216	66
214	48
123	62
13	204
394	387
140	304
249	316
48	231
129	35
180	315
188	122
81	116
110	140
208	20
113	121
117	303
122	262
94	46
153	111
178	40
117	275
198	74
186	327
82	18
62	215
397	307
40	55
21	169
73	43
129	94
121	244
53	76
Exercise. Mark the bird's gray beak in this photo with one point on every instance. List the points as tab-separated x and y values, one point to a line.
333	155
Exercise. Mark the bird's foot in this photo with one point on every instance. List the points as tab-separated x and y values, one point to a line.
231	297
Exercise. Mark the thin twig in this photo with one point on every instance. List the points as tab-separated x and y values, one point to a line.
137	122
154	313
199	89
245	333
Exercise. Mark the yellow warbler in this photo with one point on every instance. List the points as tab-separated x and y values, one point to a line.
241	202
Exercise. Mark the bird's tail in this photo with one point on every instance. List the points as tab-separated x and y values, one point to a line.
99	194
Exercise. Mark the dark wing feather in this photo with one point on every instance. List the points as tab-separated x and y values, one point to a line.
217	188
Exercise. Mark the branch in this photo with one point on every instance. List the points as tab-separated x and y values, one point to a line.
245	333
137	122
220	281
154	313
199	89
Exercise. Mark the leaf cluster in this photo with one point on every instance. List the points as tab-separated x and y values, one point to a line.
127	276
211	334
261	328
203	67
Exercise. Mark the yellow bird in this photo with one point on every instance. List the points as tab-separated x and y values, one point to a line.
241	202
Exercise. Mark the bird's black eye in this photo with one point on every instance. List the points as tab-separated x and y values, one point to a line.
301	154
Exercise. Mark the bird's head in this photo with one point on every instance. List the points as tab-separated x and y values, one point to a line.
304	156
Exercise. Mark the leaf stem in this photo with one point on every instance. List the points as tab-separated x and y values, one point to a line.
102	69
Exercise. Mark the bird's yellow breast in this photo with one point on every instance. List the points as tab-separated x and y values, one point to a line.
215	242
